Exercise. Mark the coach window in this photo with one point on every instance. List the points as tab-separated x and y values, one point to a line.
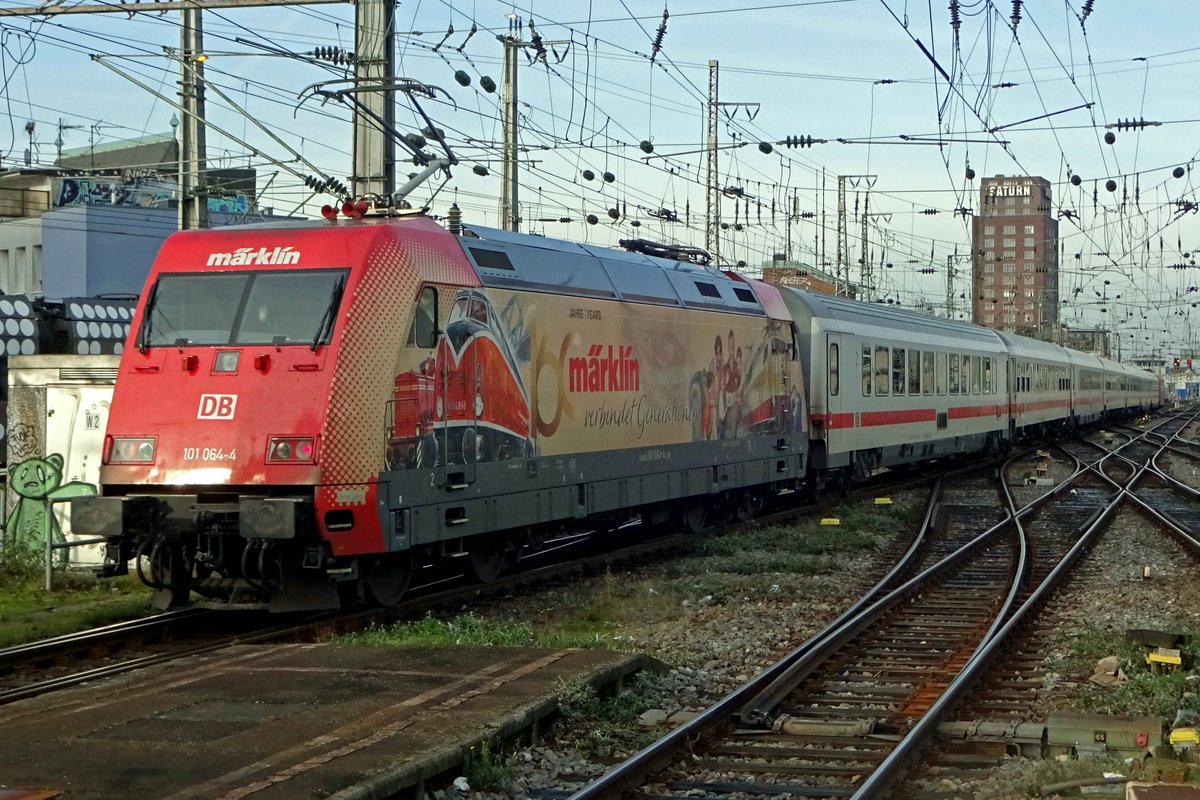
898	357
941	373
882	362
975	374
424	326
926	372
866	370
914	371
954	373
988	384
833	369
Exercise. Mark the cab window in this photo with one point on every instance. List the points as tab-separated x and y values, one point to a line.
424	326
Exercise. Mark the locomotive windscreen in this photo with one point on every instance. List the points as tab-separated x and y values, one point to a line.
227	308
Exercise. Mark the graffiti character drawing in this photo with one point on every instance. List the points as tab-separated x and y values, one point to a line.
38	482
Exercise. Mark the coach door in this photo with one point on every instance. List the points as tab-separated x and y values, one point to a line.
834	392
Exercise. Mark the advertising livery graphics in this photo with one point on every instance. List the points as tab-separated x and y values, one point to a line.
587	374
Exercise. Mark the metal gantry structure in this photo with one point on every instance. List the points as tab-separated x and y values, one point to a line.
193	200
712	192
374	148
843	235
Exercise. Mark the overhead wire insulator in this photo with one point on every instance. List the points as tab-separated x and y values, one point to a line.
470	33
658	36
1087	9
1134	124
539	46
1016	13
334	55
326	184
801	141
449	33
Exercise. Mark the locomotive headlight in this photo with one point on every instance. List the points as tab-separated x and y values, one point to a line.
291	450
132	450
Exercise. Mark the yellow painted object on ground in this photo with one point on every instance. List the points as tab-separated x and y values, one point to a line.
831	521
1184	737
1164	659
883	501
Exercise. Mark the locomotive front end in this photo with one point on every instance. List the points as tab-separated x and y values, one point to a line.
237	462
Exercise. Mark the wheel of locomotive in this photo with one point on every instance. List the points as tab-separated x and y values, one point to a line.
486	558
696	517
170	573
388	578
749	506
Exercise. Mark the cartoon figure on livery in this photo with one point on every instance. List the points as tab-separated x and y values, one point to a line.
467	402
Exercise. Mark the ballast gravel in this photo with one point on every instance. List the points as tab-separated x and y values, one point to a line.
715	646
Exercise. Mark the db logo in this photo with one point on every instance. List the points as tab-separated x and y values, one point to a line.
217	406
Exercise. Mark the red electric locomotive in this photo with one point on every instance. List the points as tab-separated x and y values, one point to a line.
308	413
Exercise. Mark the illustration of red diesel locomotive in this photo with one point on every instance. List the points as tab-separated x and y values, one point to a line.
307	413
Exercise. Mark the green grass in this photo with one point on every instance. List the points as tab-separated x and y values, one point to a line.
770	559
465	629
755	561
486	769
78	601
1145	692
607	724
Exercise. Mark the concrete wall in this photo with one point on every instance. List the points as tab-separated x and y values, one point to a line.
95	250
86	250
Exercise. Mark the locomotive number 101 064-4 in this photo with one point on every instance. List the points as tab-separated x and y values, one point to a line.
208	454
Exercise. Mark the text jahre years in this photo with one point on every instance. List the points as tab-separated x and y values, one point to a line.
584	313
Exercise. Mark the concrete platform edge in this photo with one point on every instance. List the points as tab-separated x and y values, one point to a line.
390	783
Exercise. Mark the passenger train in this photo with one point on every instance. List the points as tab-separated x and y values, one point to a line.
306	414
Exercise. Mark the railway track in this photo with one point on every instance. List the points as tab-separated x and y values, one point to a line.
1009	701
46	666
845	714
36	668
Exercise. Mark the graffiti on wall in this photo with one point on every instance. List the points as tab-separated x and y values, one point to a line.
38	482
140	192
148	191
234	204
